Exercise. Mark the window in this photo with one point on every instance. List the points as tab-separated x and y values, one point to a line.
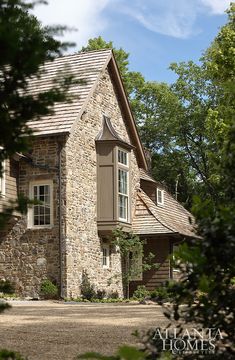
3	181
123	184
105	256
160	197
122	157
41	214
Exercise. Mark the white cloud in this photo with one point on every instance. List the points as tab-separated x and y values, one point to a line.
84	15
217	7
176	18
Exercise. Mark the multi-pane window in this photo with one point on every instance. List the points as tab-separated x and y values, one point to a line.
122	157
105	256
41	214
160	197
123	192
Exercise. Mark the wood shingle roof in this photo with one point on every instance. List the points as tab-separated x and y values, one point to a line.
171	218
85	66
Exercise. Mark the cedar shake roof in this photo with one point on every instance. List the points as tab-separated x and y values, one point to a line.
150	218
88	66
145	176
85	66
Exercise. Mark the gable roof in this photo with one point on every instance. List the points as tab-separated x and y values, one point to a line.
83	66
150	218
88	66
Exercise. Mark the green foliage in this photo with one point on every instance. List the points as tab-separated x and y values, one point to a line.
87	289
10	355
163	293
124	353
4	306
49	290
100	294
141	293
25	46
6	287
131	248
113	295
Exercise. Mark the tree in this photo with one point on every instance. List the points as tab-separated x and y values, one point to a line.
208	264
134	261
177	124
25	46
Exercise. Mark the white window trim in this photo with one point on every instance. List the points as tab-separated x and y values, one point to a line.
3	180
30	210
162	192
124	167
107	247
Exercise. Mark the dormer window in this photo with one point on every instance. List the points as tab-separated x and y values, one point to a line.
160	197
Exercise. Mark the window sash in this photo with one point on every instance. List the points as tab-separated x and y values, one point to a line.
122	157
123	196
105	256
41	214
160	197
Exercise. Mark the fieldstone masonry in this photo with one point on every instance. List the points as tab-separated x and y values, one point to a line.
27	256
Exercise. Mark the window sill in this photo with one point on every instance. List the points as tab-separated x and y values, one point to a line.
46	227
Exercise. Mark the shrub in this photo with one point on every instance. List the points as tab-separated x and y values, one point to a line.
87	289
100	294
49	290
141	292
6	287
113	295
163	293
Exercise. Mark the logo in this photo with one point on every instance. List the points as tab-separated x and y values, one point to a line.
188	341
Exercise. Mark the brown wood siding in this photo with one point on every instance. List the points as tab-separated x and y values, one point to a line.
153	278
11	182
105	182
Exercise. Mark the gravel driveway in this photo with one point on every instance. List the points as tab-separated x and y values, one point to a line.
46	330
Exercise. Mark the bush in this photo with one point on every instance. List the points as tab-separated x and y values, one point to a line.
100	294
6	287
163	293
49	290
113	295
141	293
87	289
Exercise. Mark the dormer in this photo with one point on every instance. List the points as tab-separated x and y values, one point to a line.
113	179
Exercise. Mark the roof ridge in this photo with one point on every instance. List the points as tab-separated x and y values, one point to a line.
140	193
82	52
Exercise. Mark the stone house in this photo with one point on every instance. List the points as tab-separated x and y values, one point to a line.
88	168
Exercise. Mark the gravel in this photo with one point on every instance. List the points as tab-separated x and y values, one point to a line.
50	330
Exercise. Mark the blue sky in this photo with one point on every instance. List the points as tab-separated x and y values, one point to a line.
154	32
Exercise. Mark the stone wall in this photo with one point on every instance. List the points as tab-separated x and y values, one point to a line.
82	243
27	256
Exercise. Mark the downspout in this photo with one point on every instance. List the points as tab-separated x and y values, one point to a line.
60	146
58	170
